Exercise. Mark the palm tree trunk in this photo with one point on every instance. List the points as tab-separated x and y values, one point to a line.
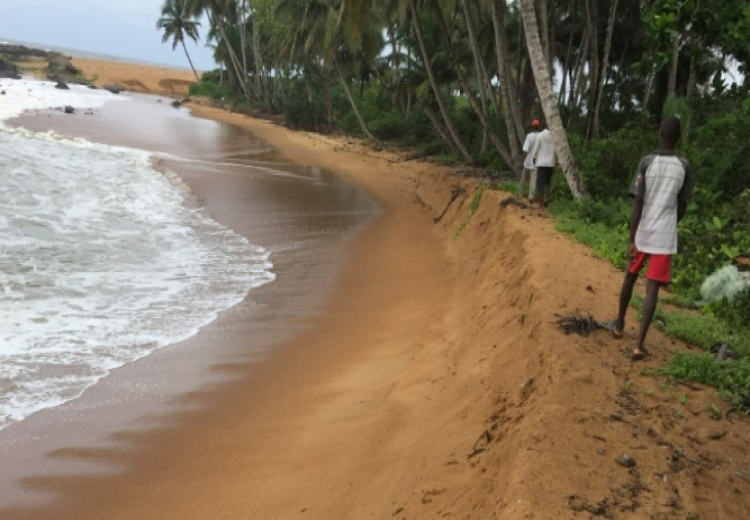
546	44
434	84
672	87
592	13
233	57
330	114
243	39
568	54
355	108
549	102
184	47
605	65
510	158
505	74
262	82
572	103
479	68
439	129
501	52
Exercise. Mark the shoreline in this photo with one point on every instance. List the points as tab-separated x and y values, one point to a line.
432	384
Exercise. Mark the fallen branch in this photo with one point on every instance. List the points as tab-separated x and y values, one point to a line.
455	192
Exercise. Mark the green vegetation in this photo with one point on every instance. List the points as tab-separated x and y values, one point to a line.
460	79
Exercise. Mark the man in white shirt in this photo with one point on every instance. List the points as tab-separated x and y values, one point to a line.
529	169
545	160
661	189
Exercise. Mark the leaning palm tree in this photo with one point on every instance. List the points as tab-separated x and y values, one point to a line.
177	24
549	101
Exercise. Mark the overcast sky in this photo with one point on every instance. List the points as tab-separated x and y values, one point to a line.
124	28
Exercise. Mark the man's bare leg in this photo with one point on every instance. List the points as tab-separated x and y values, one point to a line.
626	294
649	309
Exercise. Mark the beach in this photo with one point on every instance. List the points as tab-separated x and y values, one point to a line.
406	370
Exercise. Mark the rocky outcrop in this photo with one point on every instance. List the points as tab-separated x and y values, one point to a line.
22	50
61	85
59	64
176	103
8	69
69	109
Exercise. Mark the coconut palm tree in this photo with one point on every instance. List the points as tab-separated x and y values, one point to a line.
178	22
549	101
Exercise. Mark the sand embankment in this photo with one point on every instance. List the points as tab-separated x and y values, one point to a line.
435	385
144	79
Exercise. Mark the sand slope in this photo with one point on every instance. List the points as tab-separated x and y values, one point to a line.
435	386
162	81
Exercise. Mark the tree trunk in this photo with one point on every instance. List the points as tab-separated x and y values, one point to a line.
592	13
233	58
507	98
549	102
672	87
648	89
506	73
510	158
566	66
261	83
328	99
350	97
577	71
546	45
605	65
479	68
434	84
432	116
243	43
184	47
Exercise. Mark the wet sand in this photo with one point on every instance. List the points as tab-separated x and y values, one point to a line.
304	215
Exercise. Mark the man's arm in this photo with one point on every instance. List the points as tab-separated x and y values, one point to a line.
635	221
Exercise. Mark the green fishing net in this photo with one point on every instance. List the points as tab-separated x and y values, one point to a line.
727	282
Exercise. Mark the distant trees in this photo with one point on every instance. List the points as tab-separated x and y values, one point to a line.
468	68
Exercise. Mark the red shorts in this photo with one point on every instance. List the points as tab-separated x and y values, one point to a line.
659	267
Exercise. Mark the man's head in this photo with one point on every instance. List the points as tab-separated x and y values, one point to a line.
535	124
670	133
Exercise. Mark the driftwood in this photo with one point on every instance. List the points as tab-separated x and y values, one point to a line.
455	192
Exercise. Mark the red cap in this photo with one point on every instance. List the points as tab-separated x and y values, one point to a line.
535	123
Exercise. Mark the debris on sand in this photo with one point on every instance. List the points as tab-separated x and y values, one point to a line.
626	461
579	324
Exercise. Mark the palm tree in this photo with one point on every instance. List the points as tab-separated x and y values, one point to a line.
177	23
549	101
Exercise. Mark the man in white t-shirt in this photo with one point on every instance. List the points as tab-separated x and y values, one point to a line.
661	190
529	169
545	160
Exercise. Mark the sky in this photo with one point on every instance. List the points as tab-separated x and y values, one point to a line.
122	28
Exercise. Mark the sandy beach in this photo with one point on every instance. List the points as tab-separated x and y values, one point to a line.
429	381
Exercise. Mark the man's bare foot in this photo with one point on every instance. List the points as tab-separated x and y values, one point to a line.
618	330
639	353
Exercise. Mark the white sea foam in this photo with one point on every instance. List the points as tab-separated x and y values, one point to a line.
102	258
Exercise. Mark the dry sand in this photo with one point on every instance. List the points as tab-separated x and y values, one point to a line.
163	81
435	385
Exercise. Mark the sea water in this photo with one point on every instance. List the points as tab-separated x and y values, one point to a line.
103	258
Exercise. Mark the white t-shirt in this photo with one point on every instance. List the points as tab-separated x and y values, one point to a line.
544	151
663	180
528	146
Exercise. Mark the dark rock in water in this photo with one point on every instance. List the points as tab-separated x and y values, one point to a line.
158	100
89	112
176	103
93	87
2	93
114	89
69	109
62	85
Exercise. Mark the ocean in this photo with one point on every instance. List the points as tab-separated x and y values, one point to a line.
103	257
